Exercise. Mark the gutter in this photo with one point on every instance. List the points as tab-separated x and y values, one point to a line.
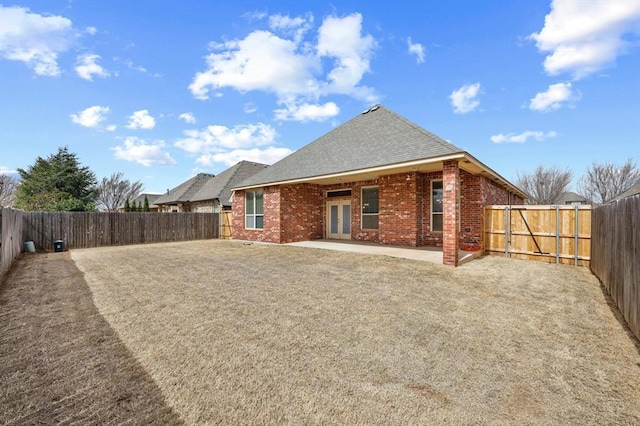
390	167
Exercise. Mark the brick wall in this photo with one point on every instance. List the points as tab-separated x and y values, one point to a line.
399	217
450	207
301	212
405	210
271	231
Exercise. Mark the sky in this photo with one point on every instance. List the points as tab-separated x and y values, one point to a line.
162	90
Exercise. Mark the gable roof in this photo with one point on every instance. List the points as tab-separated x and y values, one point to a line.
220	186
569	197
374	138
185	191
151	198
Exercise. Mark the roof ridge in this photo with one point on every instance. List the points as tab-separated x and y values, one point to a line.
421	129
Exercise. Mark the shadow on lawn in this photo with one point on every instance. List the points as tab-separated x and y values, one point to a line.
618	316
60	361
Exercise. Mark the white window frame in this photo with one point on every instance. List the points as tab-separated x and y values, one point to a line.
432	213
362	213
253	215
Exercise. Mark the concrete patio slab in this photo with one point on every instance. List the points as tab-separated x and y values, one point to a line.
427	253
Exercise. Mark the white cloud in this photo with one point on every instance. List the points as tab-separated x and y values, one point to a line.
583	37
268	155
139	151
111	128
290	67
465	99
522	137
91	117
295	27
7	171
218	138
87	67
131	65
416	49
342	39
553	98
250	108
307	112
188	117
261	61
34	39
91	30
141	120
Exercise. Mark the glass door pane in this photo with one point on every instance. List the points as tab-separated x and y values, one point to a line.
333	219
346	219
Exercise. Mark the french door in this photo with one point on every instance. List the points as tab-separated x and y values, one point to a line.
339	220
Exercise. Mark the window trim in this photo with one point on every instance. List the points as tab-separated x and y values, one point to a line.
254	215
431	212
362	213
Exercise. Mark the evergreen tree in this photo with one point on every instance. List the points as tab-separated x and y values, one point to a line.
57	183
127	206
145	206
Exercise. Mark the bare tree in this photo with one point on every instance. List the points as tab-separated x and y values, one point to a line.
114	190
545	184
603	182
8	188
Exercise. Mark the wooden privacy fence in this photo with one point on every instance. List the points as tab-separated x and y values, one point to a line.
615	255
11	239
225	224
85	230
550	233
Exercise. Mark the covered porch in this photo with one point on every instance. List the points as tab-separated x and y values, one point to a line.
423	253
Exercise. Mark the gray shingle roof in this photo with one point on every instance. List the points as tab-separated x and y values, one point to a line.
633	190
151	198
220	186
375	138
569	197
185	191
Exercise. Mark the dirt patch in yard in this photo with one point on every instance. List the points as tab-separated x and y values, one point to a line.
60	361
238	333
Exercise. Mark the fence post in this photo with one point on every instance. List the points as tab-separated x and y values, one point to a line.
507	228
557	234
575	239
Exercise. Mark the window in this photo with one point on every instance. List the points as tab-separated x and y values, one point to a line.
369	208
254	217
436	206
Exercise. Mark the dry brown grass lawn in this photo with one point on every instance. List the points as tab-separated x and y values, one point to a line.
60	361
238	333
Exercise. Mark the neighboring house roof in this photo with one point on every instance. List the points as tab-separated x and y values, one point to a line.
185	191
151	198
220	186
378	138
569	198
635	189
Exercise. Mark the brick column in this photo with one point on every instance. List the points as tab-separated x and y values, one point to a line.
450	208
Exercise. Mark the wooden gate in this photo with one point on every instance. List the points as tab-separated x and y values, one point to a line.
226	218
554	234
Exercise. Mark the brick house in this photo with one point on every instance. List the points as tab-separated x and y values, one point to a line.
215	194
179	199
379	178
